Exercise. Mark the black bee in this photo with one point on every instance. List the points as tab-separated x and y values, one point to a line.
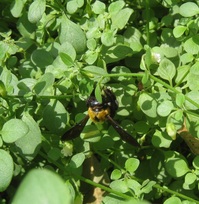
100	112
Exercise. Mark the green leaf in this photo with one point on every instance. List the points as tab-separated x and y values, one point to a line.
3	91
116	53
108	38
1	142
98	93
91	44
66	59
112	199
116	6
131	165
120	70
36	10
77	160
178	31
43	186
173	200
182	72
133	36
91	133
186	58
176	164
180	99
44	85
68	49
147	186
189	9
9	80
74	5
190	181
91	57
171	130
196	162
192	79
17	7
119	185
169	52
191	45
13	130
120	19
193	95
6	169
55	116
28	146
161	139
141	127
135	186
26	86
98	7
73	34
94	72
148	104
26	29
165	108
179	116
54	154
116	174
41	58
166	69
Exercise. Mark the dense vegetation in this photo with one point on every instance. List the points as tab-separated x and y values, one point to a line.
53	53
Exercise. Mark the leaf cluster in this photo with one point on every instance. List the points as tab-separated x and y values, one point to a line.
53	54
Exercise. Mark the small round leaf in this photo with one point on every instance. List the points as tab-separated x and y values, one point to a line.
176	164
119	185
165	108
167	69
13	130
173	200
77	160
36	10
28	146
132	164
190	181
116	174
189	9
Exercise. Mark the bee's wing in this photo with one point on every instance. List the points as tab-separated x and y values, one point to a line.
76	130
123	134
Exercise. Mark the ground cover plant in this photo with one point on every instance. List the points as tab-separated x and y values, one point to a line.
53	53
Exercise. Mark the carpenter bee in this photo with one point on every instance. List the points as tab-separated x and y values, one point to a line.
100	112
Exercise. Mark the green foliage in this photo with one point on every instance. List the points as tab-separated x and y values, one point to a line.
53	54
45	186
6	169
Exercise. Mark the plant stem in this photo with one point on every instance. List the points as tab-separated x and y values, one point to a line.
157	186
155	79
105	188
173	89
180	195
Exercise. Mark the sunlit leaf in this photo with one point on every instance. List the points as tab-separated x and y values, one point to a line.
13	130
189	9
176	164
36	10
42	185
72	33
6	169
